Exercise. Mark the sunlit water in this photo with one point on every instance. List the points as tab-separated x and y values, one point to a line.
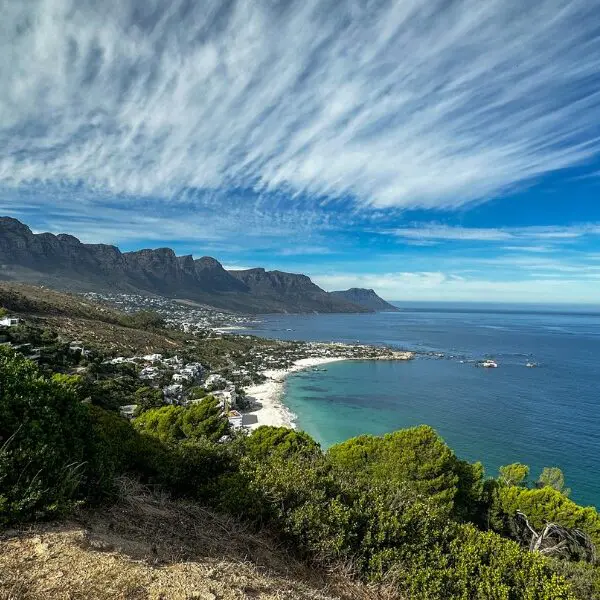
543	416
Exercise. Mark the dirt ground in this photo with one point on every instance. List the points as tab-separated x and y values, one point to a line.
147	547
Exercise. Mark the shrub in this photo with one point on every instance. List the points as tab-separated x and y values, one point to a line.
121	449
47	460
543	505
172	424
417	457
267	441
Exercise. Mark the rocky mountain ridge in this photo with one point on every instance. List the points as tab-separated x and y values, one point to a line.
366	298
64	262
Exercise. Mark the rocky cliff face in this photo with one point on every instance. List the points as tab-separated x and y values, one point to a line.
367	298
292	292
63	262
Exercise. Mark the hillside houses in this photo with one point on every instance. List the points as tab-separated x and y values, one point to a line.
178	380
187	317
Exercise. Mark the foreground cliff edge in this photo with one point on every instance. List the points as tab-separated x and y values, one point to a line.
150	547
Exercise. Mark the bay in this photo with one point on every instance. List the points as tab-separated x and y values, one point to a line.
543	416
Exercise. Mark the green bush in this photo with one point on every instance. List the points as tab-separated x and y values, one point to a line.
173	424
121	449
584	578
482	566
47	456
543	505
417	457
267	441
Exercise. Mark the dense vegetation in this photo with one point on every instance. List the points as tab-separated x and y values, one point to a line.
401	508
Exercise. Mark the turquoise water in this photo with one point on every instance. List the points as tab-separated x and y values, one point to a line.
545	416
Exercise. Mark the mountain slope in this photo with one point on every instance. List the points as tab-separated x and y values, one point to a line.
292	292
63	262
367	298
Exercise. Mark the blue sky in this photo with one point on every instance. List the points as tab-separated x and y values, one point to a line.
429	149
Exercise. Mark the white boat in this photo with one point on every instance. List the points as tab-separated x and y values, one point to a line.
489	364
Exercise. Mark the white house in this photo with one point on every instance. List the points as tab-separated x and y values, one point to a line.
174	361
128	411
235	419
215	380
9	321
226	397
149	373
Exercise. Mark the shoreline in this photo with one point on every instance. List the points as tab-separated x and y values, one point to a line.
267	407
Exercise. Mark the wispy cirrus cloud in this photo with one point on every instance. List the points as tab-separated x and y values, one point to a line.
433	232
394	104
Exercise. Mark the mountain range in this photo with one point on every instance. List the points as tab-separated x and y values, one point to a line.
63	262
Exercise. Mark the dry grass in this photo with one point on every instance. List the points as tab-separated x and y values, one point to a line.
75	318
148	547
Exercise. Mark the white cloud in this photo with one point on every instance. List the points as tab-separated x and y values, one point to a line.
412	103
236	267
439	286
443	232
433	232
305	250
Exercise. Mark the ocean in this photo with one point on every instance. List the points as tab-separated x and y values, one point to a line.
543	416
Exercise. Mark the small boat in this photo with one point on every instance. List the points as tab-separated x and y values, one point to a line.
489	364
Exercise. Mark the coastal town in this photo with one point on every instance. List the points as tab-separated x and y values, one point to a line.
246	374
188	316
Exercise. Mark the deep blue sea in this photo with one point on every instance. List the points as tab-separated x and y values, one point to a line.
543	416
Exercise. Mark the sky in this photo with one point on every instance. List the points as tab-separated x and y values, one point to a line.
429	149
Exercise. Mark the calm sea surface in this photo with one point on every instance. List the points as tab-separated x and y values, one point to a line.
544	416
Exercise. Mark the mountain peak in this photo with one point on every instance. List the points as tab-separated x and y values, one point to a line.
366	297
10	225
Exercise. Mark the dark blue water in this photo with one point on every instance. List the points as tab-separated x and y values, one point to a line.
544	416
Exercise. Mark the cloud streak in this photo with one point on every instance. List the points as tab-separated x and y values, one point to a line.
435	233
395	104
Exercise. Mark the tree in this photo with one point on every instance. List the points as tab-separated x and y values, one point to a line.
556	540
267	441
514	474
542	506
204	420
553	477
3	312
147	397
163	423
172	424
417	457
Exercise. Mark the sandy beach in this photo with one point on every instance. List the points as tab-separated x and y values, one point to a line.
268	409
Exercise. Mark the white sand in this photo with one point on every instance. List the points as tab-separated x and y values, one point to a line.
268	408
